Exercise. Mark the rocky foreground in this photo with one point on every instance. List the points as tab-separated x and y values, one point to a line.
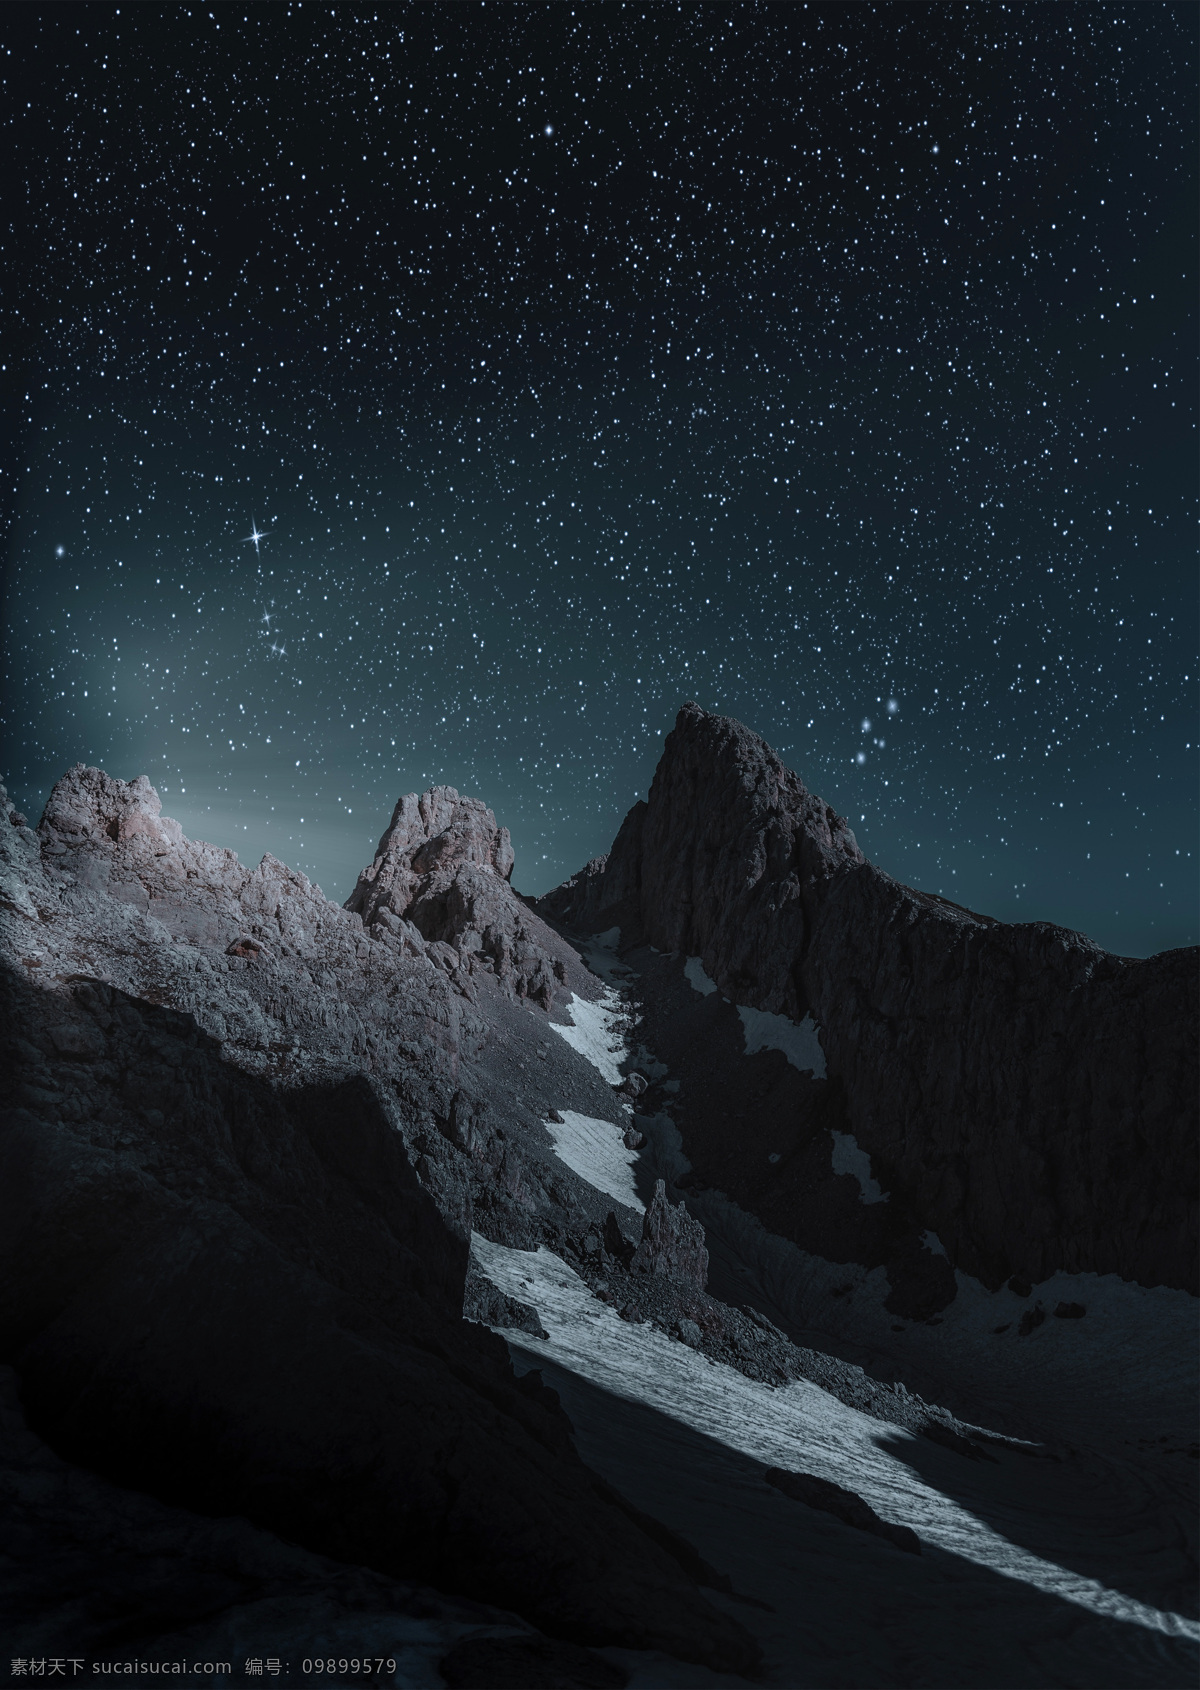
248	1137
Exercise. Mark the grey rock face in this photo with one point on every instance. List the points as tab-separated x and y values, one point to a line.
1031	1098
729	838
443	868
89	804
487	1304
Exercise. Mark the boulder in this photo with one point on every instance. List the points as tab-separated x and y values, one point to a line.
486	1303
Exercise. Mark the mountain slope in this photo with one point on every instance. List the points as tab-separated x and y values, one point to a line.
240	1161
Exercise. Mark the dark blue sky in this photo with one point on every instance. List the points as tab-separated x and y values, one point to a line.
833	366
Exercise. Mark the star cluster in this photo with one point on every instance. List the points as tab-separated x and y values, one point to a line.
447	393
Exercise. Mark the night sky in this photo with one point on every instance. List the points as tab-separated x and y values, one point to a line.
831	365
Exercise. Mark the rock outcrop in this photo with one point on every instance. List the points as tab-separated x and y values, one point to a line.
1031	1098
443	868
672	1242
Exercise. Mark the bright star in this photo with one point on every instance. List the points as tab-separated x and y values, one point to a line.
256	536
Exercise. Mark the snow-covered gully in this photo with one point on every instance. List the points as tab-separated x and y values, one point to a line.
1058	1563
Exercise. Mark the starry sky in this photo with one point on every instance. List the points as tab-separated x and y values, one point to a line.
446	393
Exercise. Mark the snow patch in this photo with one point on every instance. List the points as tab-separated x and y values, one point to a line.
849	1159
1082	1381
693	973
800	1044
933	1244
799	1426
595	1150
595	1035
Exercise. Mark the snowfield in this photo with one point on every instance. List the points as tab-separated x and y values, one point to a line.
849	1158
1025	1577
697	979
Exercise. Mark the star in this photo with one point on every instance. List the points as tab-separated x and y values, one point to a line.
256	536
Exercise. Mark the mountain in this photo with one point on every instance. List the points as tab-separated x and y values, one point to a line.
1021	1093
478	1283
236	1231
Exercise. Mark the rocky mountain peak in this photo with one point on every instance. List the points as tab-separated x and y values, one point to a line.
752	818
432	838
939	1027
434	832
719	861
443	867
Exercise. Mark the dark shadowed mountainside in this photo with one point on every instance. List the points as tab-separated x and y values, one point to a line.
1026	1096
